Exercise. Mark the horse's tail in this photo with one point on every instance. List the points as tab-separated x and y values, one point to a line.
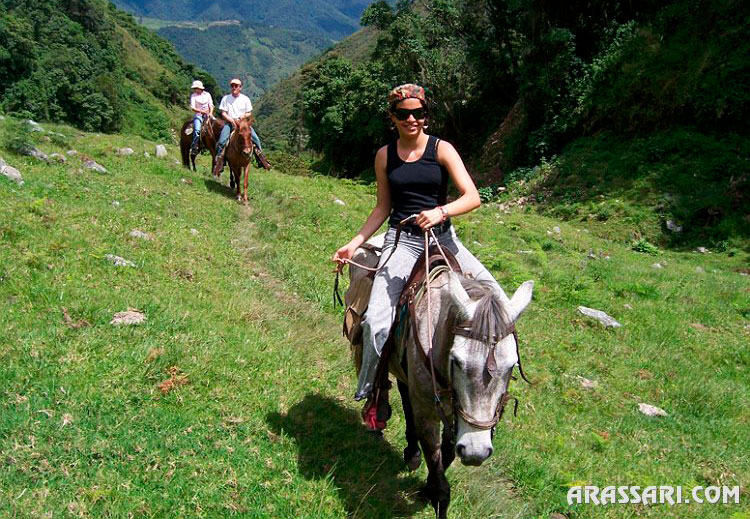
185	142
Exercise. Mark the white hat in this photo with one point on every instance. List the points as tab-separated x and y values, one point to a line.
198	84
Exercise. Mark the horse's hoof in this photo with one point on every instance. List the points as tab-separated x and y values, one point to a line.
412	458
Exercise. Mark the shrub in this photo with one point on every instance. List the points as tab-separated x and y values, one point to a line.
643	245
17	137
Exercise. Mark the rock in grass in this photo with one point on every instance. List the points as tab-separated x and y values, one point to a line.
59	158
37	154
161	151
119	262
135	233
10	172
35	126
90	164
70	153
129	317
124	151
657	266
673	226
588	384
600	316
339	202
651	410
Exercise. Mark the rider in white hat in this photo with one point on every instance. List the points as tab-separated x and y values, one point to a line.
202	105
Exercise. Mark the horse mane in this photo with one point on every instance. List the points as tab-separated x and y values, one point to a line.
491	318
249	121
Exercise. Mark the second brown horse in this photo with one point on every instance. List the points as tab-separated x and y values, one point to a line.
239	152
209	136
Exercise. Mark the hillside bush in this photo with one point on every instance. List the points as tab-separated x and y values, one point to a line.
17	136
71	60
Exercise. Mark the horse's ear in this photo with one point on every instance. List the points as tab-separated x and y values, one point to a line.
464	305
521	300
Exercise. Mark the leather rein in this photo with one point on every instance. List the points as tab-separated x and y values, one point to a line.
440	386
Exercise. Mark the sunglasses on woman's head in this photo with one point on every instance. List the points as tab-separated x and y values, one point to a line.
403	114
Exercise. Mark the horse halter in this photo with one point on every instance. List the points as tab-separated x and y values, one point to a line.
491	366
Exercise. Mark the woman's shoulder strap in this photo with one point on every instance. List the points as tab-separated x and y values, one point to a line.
432	147
392	157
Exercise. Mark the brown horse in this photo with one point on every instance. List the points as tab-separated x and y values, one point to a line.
239	152
208	139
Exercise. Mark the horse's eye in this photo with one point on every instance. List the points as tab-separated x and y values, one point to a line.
458	364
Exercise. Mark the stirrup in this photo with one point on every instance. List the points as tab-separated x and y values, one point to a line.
218	166
262	161
371	418
376	414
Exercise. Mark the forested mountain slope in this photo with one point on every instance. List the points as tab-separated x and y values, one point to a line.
638	109
333	19
279	111
260	55
90	64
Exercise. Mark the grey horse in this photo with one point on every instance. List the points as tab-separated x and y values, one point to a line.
474	350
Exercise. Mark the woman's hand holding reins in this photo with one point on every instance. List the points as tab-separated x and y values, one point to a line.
430	218
342	256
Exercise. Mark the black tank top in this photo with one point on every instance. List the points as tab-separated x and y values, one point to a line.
415	186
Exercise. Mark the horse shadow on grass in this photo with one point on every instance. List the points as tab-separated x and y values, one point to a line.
216	186
366	469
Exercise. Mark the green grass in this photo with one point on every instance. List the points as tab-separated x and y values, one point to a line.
265	426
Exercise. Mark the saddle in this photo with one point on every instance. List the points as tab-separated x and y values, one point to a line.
357	298
393	354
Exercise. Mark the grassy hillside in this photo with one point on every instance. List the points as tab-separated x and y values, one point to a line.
234	397
87	63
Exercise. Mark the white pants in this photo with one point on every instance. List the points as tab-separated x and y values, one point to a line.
387	288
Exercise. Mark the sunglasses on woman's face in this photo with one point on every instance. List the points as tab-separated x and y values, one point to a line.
235	85
403	114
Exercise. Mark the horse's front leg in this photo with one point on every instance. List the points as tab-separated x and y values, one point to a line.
412	454
438	489
234	174
247	175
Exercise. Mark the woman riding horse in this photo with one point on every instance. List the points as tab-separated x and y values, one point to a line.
412	178
202	105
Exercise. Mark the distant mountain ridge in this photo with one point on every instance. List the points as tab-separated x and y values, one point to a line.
259	55
334	19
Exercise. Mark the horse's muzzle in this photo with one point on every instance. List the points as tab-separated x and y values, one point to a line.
474	458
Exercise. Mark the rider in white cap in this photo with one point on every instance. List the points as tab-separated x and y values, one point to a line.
202	105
